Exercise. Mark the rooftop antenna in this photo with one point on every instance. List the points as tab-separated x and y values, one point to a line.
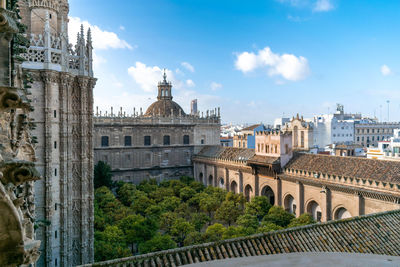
388	102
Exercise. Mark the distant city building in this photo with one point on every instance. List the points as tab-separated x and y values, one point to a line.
158	144
280	122
370	133
345	150
246	137
302	133
226	141
387	150
337	128
193	107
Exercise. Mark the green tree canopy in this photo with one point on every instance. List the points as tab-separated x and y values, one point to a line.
140	204
267	226
187	193
228	212
167	219
258	206
137	229
208	203
215	232
234	231
126	193
303	219
180	229
170	203
199	219
102	175
278	216
247	220
110	244
157	243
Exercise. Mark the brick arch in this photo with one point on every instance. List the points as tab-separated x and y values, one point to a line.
201	177
338	209
234	187
289	202
248	191
314	209
271	197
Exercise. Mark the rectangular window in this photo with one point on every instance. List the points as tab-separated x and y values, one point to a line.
166	140
55	113
55	172
55	234
186	139
147	140
104	141
202	141
55	144
128	140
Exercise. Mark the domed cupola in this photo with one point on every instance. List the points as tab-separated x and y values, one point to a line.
164	106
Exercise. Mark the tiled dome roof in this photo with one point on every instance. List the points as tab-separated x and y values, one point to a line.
163	108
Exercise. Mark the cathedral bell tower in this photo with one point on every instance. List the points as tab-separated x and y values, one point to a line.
164	89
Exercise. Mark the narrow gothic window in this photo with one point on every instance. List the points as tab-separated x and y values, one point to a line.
186	139
104	141
202	141
55	234
55	172
167	140
128	140
55	144
147	140
55	113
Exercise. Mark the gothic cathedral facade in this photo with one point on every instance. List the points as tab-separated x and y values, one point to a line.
62	95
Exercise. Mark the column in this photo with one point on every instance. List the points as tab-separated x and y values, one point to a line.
325	204
241	182
227	182
278	190
299	199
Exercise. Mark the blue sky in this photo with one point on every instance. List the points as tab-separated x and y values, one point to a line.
257	59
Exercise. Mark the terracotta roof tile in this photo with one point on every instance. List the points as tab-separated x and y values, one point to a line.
227	153
375	233
373	169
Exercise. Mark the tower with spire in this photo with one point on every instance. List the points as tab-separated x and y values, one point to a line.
62	96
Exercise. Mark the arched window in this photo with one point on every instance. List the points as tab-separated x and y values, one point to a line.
221	182
210	180
186	139
315	210
302	138
104	141
290	204
167	140
248	191
342	213
267	192
201	177
234	187
295	136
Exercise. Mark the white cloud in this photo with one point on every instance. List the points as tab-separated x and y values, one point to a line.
289	66
122	28
190	83
323	6
102	40
385	70
215	86
187	66
315	5
148	77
